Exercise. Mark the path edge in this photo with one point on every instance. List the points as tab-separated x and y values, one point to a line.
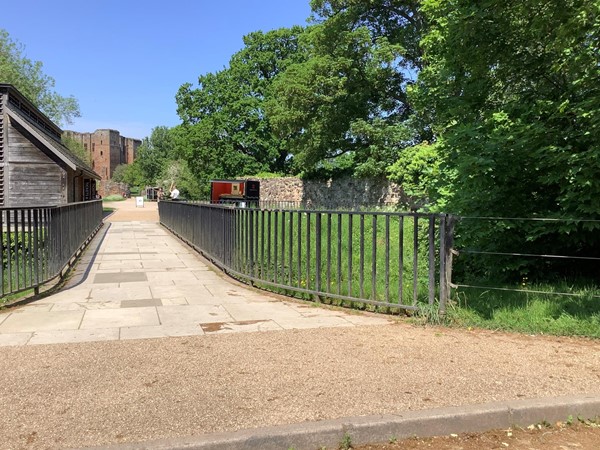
381	428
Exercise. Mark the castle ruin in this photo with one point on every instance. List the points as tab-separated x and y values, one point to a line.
107	149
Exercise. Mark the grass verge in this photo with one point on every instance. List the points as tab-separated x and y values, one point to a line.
576	314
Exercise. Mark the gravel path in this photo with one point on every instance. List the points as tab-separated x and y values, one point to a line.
126	211
73	395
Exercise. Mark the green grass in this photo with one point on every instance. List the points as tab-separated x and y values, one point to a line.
577	315
17	296
18	264
299	269
113	198
528	312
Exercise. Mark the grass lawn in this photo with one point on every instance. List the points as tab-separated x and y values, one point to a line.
113	198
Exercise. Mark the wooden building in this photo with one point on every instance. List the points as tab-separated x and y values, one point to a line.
35	167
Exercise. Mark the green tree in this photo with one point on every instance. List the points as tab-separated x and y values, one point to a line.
348	99
512	87
225	130
178	173
28	77
77	149
154	153
130	174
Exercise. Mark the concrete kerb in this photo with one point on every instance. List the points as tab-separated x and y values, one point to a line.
374	429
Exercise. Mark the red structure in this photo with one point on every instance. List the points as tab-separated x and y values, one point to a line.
232	191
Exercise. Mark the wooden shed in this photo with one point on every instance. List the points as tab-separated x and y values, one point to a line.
35	167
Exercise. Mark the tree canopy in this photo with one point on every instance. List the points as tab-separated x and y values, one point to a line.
346	103
512	91
28	77
478	108
225	130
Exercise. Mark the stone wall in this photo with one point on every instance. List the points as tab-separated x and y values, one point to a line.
338	193
108	187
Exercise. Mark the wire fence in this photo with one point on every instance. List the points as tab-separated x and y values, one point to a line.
547	252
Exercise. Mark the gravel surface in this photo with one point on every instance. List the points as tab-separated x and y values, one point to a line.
59	396
127	211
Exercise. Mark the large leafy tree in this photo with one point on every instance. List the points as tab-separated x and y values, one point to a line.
348	101
155	153
512	88
225	130
28	76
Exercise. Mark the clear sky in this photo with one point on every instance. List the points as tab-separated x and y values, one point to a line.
125	59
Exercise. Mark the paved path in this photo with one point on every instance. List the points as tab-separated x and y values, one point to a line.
138	281
142	282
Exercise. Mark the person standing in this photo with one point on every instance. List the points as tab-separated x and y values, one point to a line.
174	192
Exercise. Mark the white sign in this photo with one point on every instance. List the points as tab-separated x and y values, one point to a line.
139	202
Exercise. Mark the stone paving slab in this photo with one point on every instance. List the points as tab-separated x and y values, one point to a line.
120	277
137	281
162	331
125	292
73	336
32	320
195	314
14	339
117	318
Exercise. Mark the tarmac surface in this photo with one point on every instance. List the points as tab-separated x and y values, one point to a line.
149	345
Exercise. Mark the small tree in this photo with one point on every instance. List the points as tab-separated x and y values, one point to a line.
27	76
77	149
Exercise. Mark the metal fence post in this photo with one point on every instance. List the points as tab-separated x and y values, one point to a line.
431	264
318	256
446	243
250	221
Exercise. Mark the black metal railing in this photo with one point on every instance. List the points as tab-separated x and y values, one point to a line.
385	259
39	242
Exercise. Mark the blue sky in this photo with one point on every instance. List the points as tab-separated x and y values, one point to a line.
125	59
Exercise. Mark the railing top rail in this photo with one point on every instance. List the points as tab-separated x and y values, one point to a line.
530	219
354	212
19	208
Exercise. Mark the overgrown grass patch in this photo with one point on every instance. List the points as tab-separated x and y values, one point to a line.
576	314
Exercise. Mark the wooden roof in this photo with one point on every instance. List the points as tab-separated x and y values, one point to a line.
26	115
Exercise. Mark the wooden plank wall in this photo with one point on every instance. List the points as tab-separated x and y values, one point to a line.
2	142
33	178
